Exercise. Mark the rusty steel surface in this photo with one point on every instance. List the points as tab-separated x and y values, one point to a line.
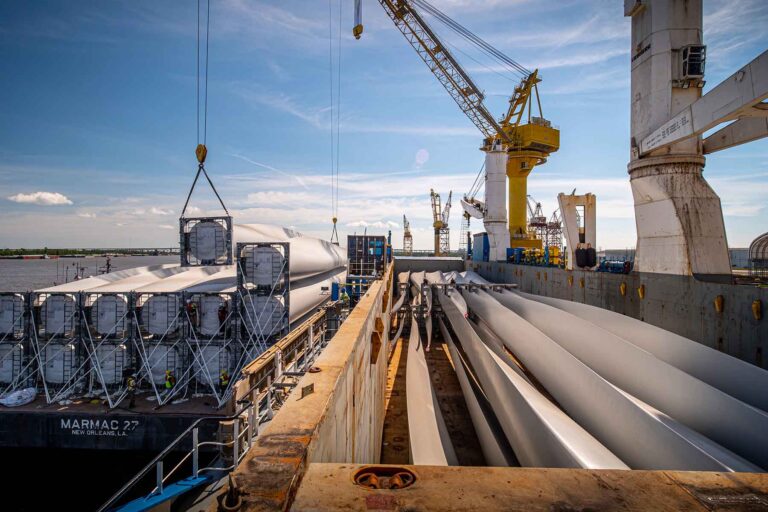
331	487
272	470
395	448
452	404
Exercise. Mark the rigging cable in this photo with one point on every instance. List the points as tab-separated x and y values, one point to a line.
207	34
471	37
338	117
201	151
477	183
330	76
335	109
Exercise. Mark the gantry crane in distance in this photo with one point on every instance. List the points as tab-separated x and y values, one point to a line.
555	231
407	238
440	219
537	221
528	140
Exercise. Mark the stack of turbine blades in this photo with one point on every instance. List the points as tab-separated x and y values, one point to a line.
630	394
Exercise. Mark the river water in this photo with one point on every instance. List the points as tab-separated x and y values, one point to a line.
26	275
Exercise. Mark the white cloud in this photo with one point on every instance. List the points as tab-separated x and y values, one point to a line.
167	226
282	197
87	215
270	168
41	198
380	224
319	118
376	224
160	211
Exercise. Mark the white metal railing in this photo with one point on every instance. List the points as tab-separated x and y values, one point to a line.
255	408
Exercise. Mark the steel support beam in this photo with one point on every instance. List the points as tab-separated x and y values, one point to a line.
741	94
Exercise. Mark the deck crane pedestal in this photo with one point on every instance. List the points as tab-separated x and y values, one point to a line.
519	141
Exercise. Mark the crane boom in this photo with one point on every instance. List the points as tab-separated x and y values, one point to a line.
443	65
407	237
447	208
527	141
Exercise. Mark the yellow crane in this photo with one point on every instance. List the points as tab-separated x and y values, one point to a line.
437	219
527	139
440	219
407	238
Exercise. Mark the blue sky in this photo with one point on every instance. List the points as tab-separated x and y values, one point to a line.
98	114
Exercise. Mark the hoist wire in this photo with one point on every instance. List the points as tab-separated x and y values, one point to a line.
477	183
207	37
485	48
201	166
197	74
205	72
338	117
490	69
330	75
335	96
471	37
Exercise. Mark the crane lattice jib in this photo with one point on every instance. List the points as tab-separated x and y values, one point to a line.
436	213
447	210
442	64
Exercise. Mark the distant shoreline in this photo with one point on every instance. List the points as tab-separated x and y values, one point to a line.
40	254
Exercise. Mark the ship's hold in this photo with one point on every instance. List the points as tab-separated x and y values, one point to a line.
402	279
739	379
430	442
494	444
438	278
540	434
641	438
722	418
494	343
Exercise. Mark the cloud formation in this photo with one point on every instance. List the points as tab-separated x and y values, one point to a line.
41	198
375	224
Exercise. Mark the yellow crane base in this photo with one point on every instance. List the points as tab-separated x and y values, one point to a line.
526	243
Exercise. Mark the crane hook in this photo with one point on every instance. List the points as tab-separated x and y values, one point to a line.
201	152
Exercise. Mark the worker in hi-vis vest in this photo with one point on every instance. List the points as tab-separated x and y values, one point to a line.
170	379
344	297
131	391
